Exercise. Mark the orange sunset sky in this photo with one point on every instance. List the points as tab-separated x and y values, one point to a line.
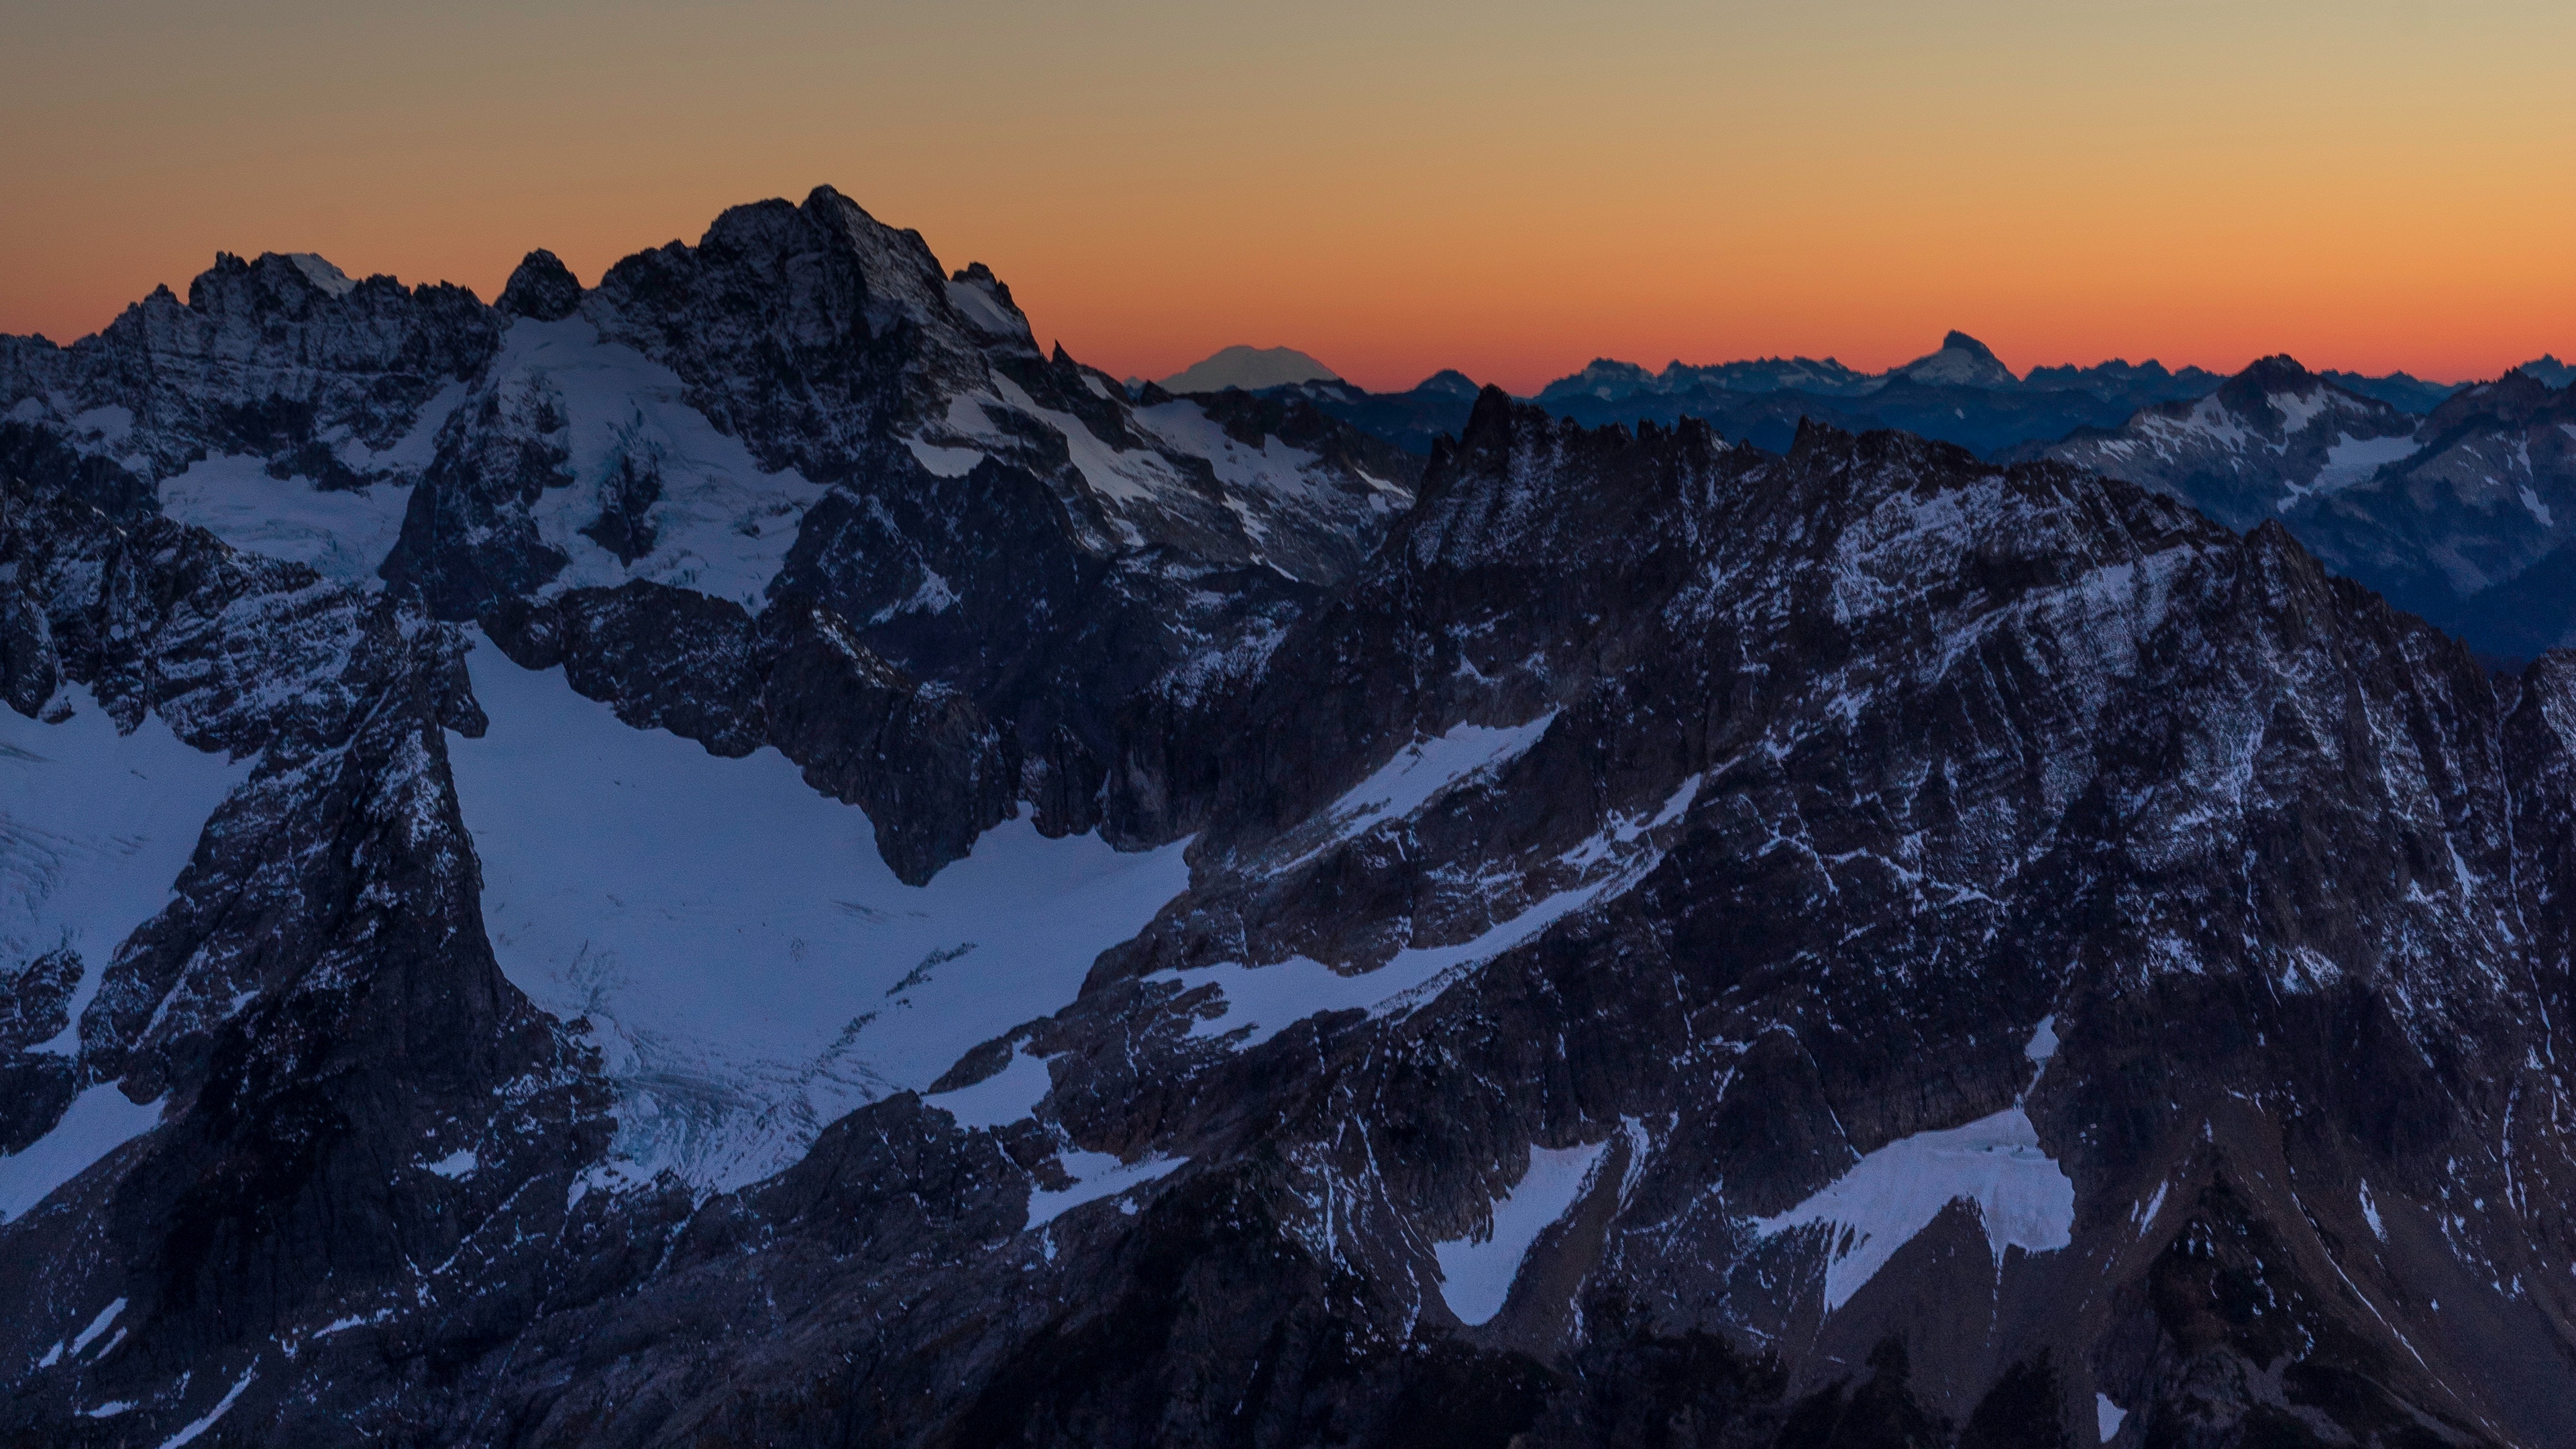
1506	188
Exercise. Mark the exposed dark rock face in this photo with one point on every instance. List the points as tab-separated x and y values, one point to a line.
36	1088
541	287
1831	878
665	658
281	357
999	523
919	758
468	540
45	460
625	525
1682	945
316	1006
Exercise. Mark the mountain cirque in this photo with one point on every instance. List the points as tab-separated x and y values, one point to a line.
1610	939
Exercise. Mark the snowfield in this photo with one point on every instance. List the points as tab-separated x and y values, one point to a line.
1476	1276
720	525
343	533
95	827
2023	1198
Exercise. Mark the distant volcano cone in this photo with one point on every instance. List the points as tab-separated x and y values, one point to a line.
1250	368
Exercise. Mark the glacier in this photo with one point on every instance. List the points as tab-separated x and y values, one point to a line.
748	964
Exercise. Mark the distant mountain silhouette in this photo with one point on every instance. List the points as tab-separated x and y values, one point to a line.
1249	368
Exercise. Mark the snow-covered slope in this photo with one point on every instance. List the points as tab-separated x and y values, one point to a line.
747	963
635	483
1960	361
95	826
343	533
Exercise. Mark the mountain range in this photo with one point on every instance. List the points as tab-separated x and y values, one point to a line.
1960	392
2465	534
741	855
2454	516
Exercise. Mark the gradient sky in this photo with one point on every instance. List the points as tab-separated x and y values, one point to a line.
1507	188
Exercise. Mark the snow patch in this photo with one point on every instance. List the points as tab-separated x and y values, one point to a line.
112	423
2043	1041
108	1410
454	1165
1095	1175
99	1121
2210	424
1274	468
945	462
2531	501
1262	1001
344	533
1139	476
986	311
322	274
1269	999
1425	770
190	1433
414	451
1476	1275
2354	460
933	596
1012	1095
2145	1213
2107	1416
2024	1198
97	1326
2370	1213
1007	1096
750	968
2299	409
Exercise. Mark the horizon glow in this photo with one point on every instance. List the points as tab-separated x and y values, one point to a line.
1511	189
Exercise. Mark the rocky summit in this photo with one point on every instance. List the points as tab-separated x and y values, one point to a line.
743	855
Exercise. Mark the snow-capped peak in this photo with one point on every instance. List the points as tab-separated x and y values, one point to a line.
321	273
1249	368
1962	361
